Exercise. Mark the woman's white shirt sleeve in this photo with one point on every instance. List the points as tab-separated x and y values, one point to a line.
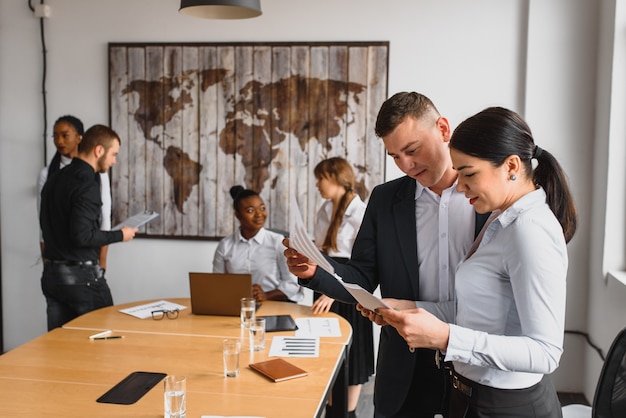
105	193
511	299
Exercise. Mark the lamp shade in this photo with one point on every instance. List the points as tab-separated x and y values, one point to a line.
221	9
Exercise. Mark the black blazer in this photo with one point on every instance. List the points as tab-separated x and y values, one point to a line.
385	255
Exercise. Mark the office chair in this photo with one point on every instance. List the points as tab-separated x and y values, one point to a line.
609	401
279	231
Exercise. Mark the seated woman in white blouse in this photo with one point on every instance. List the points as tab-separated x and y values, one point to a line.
254	250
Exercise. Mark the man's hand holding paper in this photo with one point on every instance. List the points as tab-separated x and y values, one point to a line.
396	304
299	264
303	258
371	315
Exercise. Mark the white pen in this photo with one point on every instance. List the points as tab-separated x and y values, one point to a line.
100	334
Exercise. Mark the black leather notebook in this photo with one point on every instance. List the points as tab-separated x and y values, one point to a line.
131	388
279	323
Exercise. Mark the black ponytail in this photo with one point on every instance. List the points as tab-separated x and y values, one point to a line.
497	133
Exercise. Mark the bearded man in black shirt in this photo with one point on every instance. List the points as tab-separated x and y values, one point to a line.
72	281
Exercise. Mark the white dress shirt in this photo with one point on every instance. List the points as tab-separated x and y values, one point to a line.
443	243
348	229
511	299
105	194
262	257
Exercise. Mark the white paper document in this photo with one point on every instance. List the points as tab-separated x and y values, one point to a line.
299	239
295	347
145	311
318	327
137	220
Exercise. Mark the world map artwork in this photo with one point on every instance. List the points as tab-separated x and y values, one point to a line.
157	106
209	117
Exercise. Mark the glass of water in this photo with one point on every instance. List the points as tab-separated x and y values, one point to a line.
230	350
257	334
248	306
175	402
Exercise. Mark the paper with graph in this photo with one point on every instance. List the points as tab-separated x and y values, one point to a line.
300	241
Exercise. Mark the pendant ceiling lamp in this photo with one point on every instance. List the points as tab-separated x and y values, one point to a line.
221	9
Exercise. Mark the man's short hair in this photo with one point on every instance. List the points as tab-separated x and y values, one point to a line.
98	135
398	107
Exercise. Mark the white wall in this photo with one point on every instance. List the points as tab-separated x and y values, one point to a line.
606	295
464	55
560	103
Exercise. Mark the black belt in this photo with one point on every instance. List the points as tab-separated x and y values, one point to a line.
458	384
72	263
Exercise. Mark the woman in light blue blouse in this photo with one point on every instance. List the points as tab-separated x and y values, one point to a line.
254	250
507	333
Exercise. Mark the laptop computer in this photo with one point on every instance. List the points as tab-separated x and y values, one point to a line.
218	293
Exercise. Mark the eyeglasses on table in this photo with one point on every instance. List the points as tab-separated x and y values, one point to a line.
162	313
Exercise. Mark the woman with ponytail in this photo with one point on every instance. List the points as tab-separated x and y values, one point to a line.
337	224
507	336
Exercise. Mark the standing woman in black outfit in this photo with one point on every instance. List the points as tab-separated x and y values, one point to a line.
337	224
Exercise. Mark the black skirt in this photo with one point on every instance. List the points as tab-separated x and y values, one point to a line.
361	354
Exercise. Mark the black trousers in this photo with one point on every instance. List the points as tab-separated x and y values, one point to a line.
429	391
537	401
72	290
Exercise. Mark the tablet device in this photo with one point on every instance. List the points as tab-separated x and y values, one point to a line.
279	323
131	388
137	220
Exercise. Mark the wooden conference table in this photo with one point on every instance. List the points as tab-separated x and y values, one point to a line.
63	372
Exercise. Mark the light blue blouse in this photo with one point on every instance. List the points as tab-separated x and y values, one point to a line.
511	299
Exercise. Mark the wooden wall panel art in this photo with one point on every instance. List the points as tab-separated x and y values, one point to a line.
198	118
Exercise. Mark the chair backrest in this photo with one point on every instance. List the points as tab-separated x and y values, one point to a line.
609	400
280	231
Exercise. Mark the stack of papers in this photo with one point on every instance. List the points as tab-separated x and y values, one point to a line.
145	311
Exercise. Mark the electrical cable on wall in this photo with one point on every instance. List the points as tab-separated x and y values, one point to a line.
584	334
43	82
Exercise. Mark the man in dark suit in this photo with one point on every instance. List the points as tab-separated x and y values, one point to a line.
415	231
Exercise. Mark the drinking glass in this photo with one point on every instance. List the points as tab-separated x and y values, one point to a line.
248	306
230	351
175	393
257	334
